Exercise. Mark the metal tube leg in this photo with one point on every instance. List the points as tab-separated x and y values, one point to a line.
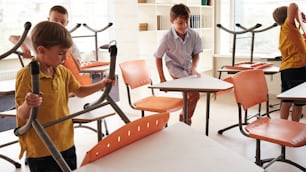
50	146
207	112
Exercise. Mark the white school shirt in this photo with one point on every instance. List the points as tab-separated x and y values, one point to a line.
178	53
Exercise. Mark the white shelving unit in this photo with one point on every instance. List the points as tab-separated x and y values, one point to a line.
155	13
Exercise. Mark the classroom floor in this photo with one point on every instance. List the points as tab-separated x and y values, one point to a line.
223	113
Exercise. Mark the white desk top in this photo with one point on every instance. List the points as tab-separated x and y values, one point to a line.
297	93
177	148
95	69
7	87
268	71
205	83
76	104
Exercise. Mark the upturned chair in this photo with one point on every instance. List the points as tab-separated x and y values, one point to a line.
127	134
250	89
136	74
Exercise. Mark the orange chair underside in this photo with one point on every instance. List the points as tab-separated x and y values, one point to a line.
276	131
159	104
127	134
70	64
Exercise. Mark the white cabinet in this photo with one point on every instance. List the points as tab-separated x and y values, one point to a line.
156	15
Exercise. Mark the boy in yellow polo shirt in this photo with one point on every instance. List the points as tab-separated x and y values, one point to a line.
51	41
293	51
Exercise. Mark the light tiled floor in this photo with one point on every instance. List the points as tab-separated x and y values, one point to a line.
223	113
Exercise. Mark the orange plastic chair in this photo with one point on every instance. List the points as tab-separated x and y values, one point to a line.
135	74
127	134
71	64
251	90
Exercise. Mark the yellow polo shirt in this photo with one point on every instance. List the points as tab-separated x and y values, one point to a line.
292	47
54	106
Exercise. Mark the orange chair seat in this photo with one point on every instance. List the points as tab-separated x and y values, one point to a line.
279	131
159	104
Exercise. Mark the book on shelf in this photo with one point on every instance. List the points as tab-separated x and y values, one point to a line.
158	26
195	21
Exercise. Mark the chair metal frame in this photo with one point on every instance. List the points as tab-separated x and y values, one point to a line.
27	27
138	67
250	90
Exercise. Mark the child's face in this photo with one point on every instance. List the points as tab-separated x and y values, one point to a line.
58	18
53	56
180	24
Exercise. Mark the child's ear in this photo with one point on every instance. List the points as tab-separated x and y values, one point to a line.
171	21
41	50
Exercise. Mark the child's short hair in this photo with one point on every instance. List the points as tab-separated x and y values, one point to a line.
179	10
59	9
50	34
280	15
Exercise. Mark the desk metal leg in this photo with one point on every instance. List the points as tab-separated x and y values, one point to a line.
185	98
99	128
207	112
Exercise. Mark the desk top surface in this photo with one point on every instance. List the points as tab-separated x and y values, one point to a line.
176	148
76	104
7	87
297	93
95	69
205	83
269	70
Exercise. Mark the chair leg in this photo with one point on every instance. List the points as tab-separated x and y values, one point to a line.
270	161
16	164
106	128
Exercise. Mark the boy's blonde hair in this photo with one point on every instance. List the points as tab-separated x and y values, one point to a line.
50	34
280	15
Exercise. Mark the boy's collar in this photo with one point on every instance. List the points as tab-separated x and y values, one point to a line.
176	36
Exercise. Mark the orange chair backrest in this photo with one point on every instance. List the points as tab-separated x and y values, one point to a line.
135	73
127	134
250	87
71	64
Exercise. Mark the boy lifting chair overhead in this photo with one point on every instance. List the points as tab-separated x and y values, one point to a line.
250	89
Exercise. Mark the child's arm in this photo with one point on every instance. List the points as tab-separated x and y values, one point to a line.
86	90
294	13
26	53
159	66
195	60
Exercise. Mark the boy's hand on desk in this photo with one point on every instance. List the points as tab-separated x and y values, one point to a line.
193	71
161	81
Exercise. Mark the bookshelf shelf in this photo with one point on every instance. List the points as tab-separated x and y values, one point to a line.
155	13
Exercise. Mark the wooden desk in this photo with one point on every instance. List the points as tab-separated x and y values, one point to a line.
297	93
7	87
176	148
77	104
204	83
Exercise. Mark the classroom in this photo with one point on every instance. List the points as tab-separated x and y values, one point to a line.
221	73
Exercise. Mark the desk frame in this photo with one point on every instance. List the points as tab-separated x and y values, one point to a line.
206	83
